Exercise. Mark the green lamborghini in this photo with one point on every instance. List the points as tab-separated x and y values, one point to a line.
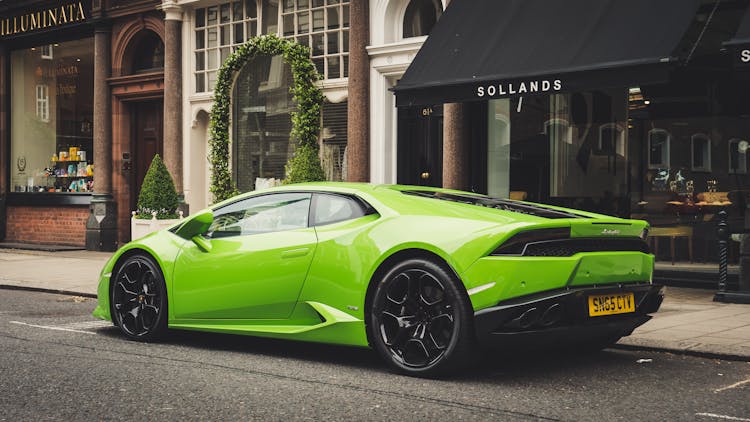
422	275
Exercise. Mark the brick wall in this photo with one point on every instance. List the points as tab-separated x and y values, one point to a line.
61	225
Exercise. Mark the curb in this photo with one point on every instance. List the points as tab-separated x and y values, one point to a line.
684	352
43	290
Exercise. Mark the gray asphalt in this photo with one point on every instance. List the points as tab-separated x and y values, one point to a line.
57	363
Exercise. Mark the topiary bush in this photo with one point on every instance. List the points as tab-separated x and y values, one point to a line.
304	166
157	193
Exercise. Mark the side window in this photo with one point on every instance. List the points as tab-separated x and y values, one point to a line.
334	208
262	214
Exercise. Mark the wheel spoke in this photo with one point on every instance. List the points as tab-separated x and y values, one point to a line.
125	289
416	353
431	291
398	290
395	329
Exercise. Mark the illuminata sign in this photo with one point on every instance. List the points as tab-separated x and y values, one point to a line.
500	89
41	19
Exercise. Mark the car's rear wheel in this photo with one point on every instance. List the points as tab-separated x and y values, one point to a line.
421	320
139	299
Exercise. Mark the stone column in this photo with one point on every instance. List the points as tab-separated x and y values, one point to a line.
358	115
101	227
4	137
455	147
173	94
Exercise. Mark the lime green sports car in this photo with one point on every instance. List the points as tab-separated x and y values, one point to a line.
422	275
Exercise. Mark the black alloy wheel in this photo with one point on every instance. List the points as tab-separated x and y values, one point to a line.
421	321
139	299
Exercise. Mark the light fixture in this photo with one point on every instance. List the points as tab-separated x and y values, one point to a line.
78	60
647	102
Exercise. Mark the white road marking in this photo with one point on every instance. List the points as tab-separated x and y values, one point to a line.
725	417
735	385
46	327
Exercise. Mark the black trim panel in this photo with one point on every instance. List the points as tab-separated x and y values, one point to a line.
48	198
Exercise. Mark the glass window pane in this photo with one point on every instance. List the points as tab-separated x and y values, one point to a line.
213	63
200	82
225	13
318	23
304	40
346	66
237	13
345	36
225	34
211	81
224	54
320	66
270	18
212	15
303	4
251	9
333	42
200	18
239	33
317	3
252	29
333	17
331	209
317	44
345	15
288	25
264	214
213	37
303	23
200	39
288	6
200	60
332	1
334	68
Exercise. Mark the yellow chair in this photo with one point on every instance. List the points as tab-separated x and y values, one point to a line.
672	233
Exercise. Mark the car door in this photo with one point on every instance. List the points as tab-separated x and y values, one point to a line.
260	250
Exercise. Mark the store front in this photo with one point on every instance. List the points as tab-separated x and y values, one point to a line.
82	88
635	109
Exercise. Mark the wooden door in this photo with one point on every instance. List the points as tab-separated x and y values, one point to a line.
148	117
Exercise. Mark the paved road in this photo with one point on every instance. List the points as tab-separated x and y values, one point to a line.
58	363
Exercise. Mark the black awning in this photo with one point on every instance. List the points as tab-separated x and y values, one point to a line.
743	33
483	49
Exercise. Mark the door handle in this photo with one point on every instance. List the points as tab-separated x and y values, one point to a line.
295	253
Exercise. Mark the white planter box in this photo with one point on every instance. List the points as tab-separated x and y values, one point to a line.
140	227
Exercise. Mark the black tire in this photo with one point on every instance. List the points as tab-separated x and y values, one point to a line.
421	320
138	299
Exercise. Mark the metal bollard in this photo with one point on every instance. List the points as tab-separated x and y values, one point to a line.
722	232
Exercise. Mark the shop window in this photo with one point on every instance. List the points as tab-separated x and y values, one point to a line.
700	145
42	102
51	111
658	148
261	121
738	156
420	17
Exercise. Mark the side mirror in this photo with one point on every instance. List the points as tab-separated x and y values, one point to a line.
196	225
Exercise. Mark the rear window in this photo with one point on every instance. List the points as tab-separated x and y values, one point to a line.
501	204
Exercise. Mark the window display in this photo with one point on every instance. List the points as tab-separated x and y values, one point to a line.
51	117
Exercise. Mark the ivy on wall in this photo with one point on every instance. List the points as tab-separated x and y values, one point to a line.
304	166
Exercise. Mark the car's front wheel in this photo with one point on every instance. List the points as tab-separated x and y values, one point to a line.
421	320
138	297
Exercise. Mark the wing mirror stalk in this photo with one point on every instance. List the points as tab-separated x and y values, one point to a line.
195	226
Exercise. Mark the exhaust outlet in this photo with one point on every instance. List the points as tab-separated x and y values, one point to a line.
552	315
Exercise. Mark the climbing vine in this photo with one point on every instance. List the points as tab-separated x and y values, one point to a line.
305	165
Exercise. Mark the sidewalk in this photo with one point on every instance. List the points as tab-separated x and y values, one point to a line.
689	321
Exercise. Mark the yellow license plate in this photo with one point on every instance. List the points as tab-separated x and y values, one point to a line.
611	304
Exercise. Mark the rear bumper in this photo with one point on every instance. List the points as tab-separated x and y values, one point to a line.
562	316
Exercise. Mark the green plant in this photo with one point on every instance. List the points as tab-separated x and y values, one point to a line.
305	164
157	193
